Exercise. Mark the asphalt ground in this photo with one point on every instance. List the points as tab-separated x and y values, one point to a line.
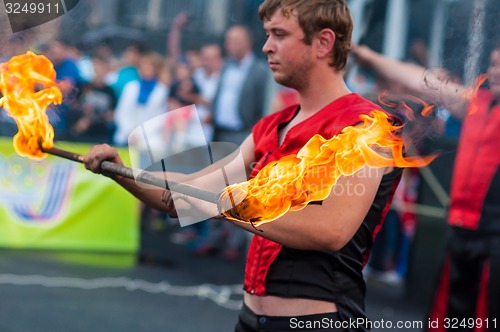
165	288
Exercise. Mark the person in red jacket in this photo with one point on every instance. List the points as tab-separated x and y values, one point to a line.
305	268
468	294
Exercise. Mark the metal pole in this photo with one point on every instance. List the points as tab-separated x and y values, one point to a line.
476	41
437	37
396	29
140	176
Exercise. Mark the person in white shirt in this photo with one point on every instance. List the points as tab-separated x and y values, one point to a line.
141	100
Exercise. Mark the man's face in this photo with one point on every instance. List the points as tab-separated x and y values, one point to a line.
211	57
289	57
236	43
494	72
57	52
132	56
147	70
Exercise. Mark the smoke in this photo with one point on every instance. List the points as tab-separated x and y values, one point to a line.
419	119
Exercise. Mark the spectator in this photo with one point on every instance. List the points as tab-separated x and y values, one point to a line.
96	105
208	77
206	65
66	69
240	100
183	92
69	80
129	69
141	100
83	61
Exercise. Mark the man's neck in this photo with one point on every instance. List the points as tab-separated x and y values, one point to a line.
322	92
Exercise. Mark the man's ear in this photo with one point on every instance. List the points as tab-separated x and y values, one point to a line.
326	41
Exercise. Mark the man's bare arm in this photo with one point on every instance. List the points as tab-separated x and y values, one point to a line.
329	226
419	80
206	179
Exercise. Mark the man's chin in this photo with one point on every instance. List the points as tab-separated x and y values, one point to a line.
280	79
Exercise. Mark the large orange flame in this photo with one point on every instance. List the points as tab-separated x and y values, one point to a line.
28	86
290	183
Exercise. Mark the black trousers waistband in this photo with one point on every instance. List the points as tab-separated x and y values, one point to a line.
250	322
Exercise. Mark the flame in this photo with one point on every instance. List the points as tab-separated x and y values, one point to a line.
471	93
28	86
290	183
402	106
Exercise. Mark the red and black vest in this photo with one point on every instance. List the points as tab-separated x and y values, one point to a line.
475	189
273	269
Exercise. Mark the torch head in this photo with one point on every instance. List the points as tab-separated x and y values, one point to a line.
28	85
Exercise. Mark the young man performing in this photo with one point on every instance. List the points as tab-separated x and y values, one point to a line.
305	268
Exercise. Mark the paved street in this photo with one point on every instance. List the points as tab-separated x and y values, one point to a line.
170	290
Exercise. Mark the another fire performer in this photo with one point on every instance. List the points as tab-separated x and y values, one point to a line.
468	295
304	270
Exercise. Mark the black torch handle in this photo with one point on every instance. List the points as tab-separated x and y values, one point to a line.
140	176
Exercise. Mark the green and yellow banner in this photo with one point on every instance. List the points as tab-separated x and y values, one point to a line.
57	204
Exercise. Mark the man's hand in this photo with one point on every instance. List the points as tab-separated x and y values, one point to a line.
166	197
149	195
188	206
99	153
180	20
